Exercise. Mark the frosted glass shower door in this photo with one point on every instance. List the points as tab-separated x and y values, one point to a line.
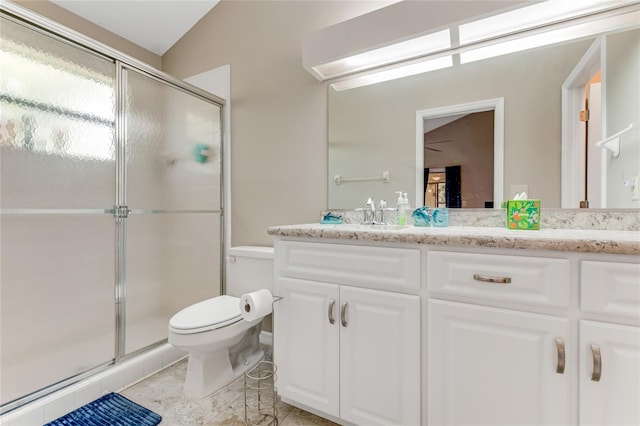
173	241
57	233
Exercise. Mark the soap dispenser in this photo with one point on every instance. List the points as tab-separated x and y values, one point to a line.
401	218
405	200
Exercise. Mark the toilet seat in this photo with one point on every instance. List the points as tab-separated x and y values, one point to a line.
207	315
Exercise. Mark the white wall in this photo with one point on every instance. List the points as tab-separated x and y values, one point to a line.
622	79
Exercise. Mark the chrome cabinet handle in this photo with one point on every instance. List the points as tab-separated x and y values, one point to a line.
343	314
489	279
561	355
332	320
597	363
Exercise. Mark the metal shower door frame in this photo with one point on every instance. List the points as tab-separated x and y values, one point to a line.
120	211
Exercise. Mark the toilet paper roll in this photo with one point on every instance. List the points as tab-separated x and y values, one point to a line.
256	304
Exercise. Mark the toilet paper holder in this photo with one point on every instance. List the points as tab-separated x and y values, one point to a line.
260	393
247	307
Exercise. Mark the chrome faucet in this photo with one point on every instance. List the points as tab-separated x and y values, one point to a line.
371	216
371	206
382	207
368	212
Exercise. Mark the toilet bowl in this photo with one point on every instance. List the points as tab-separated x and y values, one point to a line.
222	345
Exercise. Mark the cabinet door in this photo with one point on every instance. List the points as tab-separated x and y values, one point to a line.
379	357
613	398
490	366
306	344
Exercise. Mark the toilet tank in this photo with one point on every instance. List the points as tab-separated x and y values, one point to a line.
248	268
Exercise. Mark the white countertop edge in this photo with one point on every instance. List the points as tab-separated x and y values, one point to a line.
578	240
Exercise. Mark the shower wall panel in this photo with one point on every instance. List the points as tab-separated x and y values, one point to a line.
56	298
57	237
172	262
57	123
173	152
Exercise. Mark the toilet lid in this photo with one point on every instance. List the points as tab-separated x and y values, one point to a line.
207	315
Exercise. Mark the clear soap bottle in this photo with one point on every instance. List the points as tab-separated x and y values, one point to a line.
401	217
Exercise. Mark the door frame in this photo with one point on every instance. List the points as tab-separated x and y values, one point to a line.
573	154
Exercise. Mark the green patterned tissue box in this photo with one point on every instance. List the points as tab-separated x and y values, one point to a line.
523	214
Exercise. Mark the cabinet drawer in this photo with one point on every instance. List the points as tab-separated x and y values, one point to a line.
528	280
610	288
362	266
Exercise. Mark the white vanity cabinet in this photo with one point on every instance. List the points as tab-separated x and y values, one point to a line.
454	326
496	365
345	345
508	345
609	352
490	366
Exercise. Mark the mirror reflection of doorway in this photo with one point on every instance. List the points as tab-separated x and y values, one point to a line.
443	187
582	168
435	196
459	150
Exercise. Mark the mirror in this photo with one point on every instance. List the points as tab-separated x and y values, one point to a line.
372	130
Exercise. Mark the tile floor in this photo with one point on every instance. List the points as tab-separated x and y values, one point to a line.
162	393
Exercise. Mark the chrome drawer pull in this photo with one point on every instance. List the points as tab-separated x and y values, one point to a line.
332	320
561	355
597	363
343	314
488	279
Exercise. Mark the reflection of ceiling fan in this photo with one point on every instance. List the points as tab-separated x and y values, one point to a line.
435	142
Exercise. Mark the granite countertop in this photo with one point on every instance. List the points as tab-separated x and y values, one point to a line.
576	240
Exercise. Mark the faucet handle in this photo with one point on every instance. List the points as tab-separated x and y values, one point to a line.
371	204
366	214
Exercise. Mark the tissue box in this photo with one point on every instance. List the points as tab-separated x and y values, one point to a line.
523	214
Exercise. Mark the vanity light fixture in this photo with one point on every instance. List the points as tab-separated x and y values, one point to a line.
343	54
393	73
536	15
401	31
396	52
553	34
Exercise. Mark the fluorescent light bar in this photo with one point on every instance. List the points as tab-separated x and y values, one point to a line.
532	16
397	52
552	37
393	73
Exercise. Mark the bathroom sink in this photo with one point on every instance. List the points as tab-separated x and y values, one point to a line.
392	227
363	227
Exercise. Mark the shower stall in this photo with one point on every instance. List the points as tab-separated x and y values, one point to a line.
110	205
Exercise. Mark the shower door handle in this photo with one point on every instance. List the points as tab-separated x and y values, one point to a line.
121	212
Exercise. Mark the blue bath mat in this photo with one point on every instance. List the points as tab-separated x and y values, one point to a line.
110	410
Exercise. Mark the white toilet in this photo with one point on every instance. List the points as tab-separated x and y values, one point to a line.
221	344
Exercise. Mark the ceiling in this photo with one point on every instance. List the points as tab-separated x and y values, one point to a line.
155	25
